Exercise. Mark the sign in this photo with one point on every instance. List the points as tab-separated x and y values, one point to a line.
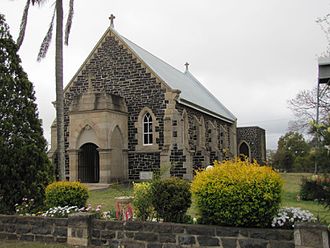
146	175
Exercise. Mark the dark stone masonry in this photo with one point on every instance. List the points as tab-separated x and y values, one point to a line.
142	162
255	139
133	114
116	72
85	230
40	229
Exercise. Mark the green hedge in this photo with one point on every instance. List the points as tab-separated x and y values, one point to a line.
237	193
171	198
316	188
66	194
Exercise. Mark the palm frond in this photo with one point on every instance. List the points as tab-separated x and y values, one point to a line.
69	23
46	42
23	24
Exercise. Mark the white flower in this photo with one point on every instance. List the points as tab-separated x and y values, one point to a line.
287	217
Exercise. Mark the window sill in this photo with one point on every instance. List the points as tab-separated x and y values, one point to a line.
147	148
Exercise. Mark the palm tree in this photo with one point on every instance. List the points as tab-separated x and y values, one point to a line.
58	12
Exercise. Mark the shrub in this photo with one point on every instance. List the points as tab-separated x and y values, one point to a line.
316	188
286	217
66	194
308	189
142	202
24	167
171	197
237	193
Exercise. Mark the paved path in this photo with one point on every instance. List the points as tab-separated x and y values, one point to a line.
97	186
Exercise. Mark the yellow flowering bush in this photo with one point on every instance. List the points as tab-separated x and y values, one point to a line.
142	201
237	193
60	194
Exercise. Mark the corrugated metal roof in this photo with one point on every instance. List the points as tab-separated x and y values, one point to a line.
193	93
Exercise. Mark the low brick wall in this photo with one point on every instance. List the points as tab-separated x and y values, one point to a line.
28	228
84	230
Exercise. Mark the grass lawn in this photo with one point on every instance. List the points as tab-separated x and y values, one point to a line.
106	197
290	191
24	244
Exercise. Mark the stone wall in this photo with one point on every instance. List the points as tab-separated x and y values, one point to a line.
161	235
85	230
112	69
208	140
255	138
33	228
311	235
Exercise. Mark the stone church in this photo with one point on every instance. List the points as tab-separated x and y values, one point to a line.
129	114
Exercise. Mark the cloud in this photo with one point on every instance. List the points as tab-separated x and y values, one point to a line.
252	55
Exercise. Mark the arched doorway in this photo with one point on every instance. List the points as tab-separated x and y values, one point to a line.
244	151
88	164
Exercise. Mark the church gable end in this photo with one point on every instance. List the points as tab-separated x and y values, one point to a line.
112	69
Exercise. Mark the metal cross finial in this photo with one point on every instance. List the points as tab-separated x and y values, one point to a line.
111	18
187	65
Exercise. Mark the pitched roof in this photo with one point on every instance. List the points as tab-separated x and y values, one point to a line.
193	93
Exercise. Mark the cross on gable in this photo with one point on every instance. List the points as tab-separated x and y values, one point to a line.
187	65
111	18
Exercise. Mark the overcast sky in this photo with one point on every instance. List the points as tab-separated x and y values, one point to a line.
253	55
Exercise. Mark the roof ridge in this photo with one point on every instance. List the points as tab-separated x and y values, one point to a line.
191	89
190	75
151	54
169	76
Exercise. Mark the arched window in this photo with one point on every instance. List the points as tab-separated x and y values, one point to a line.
213	136
147	129
185	129
244	151
202	132
146	135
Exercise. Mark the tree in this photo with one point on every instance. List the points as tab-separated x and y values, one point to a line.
304	106
25	168
292	153
58	67
321	151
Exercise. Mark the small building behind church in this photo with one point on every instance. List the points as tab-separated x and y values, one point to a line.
129	114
